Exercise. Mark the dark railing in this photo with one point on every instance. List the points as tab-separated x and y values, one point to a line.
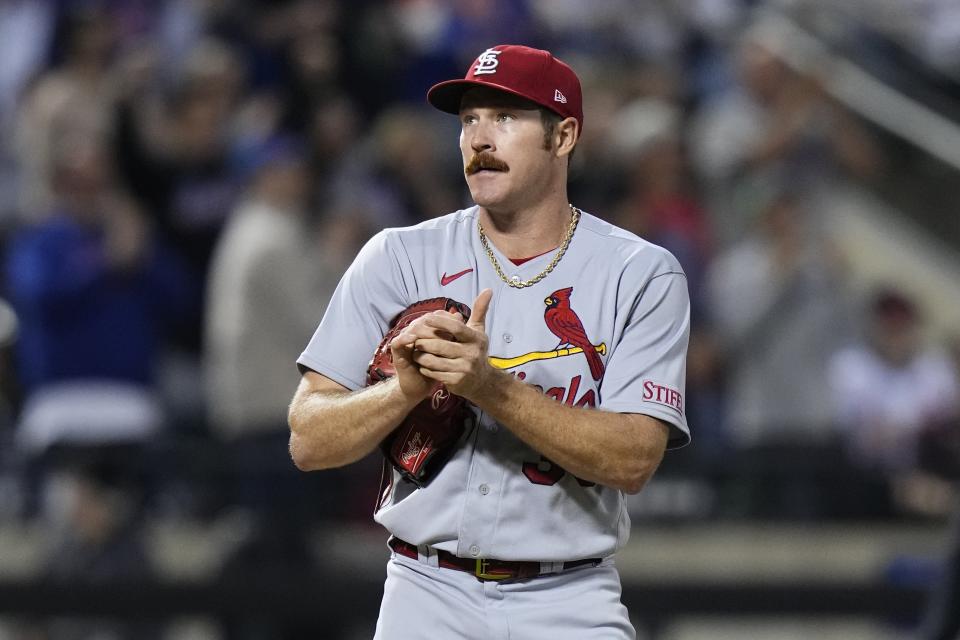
345	595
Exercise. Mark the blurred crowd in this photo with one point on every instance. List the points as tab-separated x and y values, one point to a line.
183	182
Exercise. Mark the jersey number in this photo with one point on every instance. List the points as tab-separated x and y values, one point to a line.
548	473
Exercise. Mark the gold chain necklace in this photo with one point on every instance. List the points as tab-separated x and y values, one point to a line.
516	282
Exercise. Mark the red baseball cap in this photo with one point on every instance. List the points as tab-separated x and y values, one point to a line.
533	74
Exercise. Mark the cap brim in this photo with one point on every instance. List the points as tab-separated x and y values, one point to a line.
446	96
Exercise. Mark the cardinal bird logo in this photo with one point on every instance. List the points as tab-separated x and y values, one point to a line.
564	323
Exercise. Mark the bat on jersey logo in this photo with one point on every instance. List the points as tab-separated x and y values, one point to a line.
564	323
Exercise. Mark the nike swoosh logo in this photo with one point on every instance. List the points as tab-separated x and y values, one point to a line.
445	279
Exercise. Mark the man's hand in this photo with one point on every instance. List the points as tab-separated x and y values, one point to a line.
450	351
126	234
413	384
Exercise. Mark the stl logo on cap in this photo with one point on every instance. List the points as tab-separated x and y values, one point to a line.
487	62
532	74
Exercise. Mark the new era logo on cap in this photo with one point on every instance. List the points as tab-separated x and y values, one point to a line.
533	74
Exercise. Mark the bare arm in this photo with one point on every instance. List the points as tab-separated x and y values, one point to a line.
331	426
619	450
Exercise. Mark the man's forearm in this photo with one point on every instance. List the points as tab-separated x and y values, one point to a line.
614	449
334	427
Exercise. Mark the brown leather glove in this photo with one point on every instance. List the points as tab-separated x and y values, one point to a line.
423	442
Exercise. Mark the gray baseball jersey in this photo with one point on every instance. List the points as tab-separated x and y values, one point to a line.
497	497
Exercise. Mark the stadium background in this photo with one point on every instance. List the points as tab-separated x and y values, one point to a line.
182	183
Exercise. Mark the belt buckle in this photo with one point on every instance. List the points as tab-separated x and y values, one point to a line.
481	571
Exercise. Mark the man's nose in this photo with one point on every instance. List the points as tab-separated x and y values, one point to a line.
480	139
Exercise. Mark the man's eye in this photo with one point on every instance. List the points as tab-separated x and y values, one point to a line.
469	119
503	117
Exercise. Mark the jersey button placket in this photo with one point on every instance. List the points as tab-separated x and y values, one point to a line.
479	521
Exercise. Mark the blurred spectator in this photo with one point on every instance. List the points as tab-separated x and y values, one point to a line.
891	387
430	39
661	202
11	480
334	139
706	392
640	30
939	39
176	162
596	176
400	174
96	295
9	394
940	455
312	60
75	96
26	29
272	255
269	257
939	450
180	168
775	123
774	300
941	619
92	512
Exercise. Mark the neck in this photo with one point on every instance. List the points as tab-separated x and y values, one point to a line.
528	232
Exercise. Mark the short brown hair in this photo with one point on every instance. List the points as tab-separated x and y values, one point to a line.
550	120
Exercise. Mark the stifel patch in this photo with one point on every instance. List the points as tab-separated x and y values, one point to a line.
663	394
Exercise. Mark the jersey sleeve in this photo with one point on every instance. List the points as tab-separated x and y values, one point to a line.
371	292
646	371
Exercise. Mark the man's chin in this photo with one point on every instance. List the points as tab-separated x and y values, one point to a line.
485	197
493	204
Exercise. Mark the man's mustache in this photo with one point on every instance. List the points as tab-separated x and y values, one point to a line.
484	160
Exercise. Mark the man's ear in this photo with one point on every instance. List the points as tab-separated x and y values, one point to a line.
566	135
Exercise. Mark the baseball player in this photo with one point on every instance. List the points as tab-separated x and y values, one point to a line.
572	363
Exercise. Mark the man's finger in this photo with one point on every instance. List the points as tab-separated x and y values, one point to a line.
478	317
446	377
402	353
443	322
419	330
402	341
438	363
440	347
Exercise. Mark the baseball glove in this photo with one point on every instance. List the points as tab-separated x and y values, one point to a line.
420	446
